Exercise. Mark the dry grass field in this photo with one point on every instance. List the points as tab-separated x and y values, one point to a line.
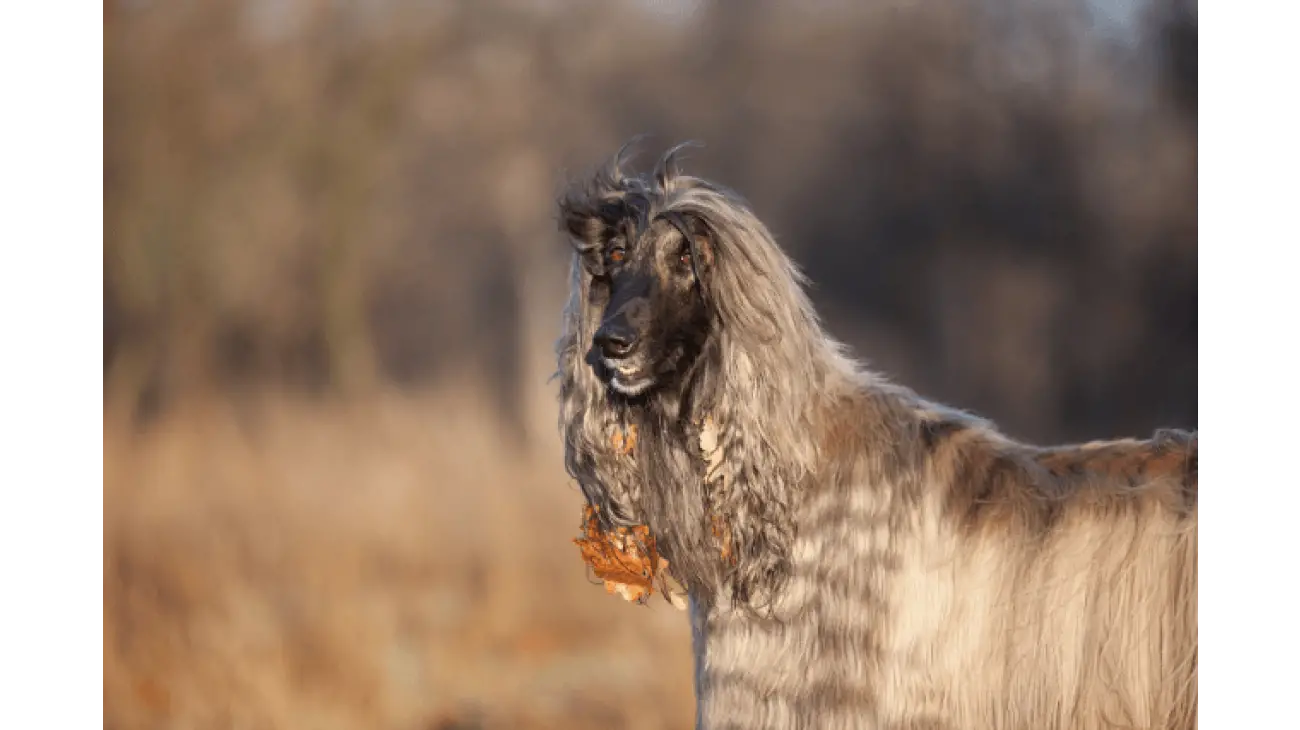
395	563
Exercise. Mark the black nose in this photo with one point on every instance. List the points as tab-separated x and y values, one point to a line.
615	339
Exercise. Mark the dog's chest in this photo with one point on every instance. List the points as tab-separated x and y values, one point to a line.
844	654
820	665
804	672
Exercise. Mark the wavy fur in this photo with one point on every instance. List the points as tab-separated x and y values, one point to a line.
859	557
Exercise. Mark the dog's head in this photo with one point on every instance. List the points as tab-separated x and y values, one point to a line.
648	257
684	311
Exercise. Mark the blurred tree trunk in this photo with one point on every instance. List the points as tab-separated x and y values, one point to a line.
343	280
1178	36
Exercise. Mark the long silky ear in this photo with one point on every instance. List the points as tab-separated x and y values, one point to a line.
735	278
593	208
698	235
591	225
702	256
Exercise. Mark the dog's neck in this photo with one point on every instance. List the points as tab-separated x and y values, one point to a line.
720	488
724	449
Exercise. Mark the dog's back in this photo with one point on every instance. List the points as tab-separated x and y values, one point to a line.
945	576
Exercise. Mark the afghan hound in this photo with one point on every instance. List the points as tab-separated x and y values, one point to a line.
855	556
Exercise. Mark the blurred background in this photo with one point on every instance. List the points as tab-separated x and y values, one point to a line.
334	490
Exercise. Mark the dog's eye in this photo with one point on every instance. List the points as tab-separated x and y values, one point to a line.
617	254
685	257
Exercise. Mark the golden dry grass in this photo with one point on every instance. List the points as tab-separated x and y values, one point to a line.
392	563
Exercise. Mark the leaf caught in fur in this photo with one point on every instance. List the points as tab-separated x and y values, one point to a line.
624	441
627	560
722	533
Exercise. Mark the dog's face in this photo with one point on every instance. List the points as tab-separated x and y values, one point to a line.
655	320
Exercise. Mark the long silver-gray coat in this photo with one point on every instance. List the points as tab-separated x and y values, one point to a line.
856	556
